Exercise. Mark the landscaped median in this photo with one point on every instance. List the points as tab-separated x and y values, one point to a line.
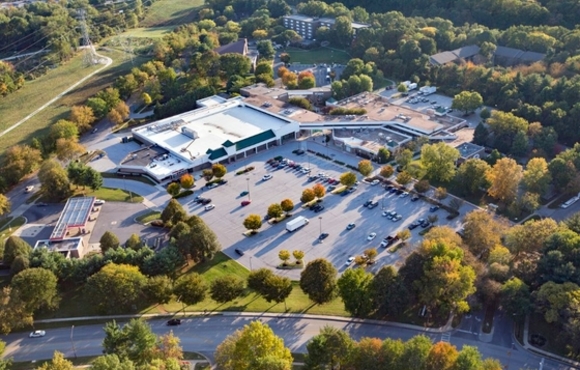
148	217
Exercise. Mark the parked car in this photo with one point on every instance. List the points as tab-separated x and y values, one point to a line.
349	261
267	177
212	185
393	190
246	202
99	202
414	225
373	205
205	201
29	189
305	170
209	207
425	224
323	236
37	334
375	182
404	195
350	226
318	208
367	203
243	193
397	218
174	322
371	236
41	204
433	208
299	152
414	198
239	251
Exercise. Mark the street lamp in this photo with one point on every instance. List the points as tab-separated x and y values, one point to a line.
251	264
248	187
72	329
320	219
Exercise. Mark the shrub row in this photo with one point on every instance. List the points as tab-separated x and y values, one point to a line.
351	167
323	156
245	170
183	194
339	162
347	111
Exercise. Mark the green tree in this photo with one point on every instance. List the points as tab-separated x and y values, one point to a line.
298	255
562	171
275	210
111	362
98	106
4	205
219	170
415	352
257	279
159	289
172	208
469	358
234	64
404	178
467	101
404	235
190	289
19	264
62	129
18	161
266	49
348	179
37	288
537	177
207	174
277	289
422	186
174	189
384	154
58	362
404	157
328	350
226	288
471	174
54	180
515	298
109	241
134	242
480	134
14	247
134	342
110	96
307	196
387	291
343	30
255	344
121	285
504	178
353	288
365	167
484	114
285	58
402	88
438	160
253	222
200	242
482	232
318	281
83	116
287	205
520	144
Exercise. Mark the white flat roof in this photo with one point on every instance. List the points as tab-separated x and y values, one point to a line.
214	125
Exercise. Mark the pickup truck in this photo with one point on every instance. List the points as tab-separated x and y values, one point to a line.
389	240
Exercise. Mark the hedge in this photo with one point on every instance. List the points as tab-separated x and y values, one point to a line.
183	194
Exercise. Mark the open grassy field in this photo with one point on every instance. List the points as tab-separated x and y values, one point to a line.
16	106
149	32
316	56
171	12
148	217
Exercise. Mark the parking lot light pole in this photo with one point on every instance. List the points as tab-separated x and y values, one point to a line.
248	186
72	330
320	219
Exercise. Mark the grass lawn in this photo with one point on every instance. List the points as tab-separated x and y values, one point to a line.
316	56
171	13
35	93
143	179
148	217
550	332
9	227
381	83
112	195
148	32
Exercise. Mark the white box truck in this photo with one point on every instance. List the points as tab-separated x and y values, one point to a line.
428	90
412	86
296	223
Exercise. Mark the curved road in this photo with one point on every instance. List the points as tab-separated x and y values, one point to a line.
203	334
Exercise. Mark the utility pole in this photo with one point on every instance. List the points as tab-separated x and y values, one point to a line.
72	330
89	56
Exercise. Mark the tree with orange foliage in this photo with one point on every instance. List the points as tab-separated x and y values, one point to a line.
441	357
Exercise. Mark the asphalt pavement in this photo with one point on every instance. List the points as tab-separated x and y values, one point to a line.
203	334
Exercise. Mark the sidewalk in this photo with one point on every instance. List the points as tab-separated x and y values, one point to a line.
444	329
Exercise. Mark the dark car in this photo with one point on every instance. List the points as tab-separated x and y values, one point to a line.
299	152
318	208
413	225
393	190
414	198
425	224
312	178
239	251
174	322
373	205
433	208
399	191
205	201
323	236
41	204
367	203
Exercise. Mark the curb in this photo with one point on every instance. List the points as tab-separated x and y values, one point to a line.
443	329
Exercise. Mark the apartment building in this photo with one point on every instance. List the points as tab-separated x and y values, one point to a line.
306	26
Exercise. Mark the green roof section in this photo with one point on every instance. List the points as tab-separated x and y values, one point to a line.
256	139
228	143
218	153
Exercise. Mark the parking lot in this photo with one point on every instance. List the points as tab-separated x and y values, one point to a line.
261	250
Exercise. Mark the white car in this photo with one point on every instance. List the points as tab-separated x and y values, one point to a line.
99	202
29	189
371	236
349	261
375	182
37	334
404	195
267	177
305	170
209	207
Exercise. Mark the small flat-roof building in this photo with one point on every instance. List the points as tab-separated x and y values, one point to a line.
469	150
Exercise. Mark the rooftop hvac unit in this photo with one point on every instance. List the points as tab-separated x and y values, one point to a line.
189	133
